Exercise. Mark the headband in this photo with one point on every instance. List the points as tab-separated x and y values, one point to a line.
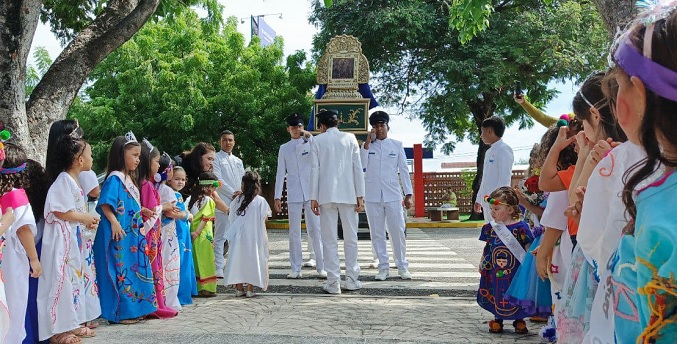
13	170
494	201
580	92
210	182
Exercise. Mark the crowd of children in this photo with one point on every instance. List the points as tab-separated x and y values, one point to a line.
140	253
603	263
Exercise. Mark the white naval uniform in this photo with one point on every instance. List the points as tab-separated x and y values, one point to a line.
336	181
293	160
383	198
229	169
497	172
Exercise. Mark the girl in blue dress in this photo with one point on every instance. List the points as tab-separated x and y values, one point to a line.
644	266
187	281
124	274
501	259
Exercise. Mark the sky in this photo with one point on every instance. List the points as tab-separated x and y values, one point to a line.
289	18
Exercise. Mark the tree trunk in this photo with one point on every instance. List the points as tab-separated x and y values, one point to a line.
55	92
616	13
18	22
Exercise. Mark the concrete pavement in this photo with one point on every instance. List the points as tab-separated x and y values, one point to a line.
287	318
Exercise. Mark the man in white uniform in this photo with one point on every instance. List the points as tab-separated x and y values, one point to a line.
337	187
293	161
382	159
498	161
229	169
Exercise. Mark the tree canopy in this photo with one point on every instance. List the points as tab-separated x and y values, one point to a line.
179	81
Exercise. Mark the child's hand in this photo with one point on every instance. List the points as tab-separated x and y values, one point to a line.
602	149
563	141
194	235
543	264
118	233
584	145
190	217
520	196
145	212
36	268
8	216
90	221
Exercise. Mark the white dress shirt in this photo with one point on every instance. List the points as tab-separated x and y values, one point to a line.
229	169
497	170
336	174
382	162
293	159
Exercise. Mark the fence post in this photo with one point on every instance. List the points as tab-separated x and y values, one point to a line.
419	201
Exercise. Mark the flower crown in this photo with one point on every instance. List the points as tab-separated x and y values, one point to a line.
494	201
210	182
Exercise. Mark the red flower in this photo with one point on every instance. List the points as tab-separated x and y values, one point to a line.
532	184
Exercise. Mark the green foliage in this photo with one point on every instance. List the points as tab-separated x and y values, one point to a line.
469	17
178	82
68	17
468	177
35	73
421	66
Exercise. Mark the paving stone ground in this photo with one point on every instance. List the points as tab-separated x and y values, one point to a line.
293	318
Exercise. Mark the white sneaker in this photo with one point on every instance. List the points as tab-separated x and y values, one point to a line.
310	263
404	273
295	275
373	264
382	275
352	284
322	274
250	294
332	288
239	293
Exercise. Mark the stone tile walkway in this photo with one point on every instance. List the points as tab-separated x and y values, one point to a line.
284	318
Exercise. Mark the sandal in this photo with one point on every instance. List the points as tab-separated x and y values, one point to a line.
128	321
83	332
91	324
520	326
206	293
64	338
495	326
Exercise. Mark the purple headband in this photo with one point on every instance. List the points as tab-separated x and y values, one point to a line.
659	79
13	170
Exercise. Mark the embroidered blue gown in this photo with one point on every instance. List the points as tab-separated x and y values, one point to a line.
187	281
644	270
124	273
497	269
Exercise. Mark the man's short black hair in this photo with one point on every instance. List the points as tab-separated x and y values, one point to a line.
227	132
328	117
495	123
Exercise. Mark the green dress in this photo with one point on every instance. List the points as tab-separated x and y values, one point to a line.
203	245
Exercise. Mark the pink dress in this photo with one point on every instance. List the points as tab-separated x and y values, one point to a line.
150	198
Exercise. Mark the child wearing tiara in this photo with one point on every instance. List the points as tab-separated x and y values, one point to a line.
123	271
507	239
643	269
248	249
19	256
203	208
170	245
149	164
61	288
187	282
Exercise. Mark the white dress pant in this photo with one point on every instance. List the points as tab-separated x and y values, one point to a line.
329	213
221	225
295	211
380	214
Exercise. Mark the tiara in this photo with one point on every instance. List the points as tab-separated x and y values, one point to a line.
130	138
148	144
